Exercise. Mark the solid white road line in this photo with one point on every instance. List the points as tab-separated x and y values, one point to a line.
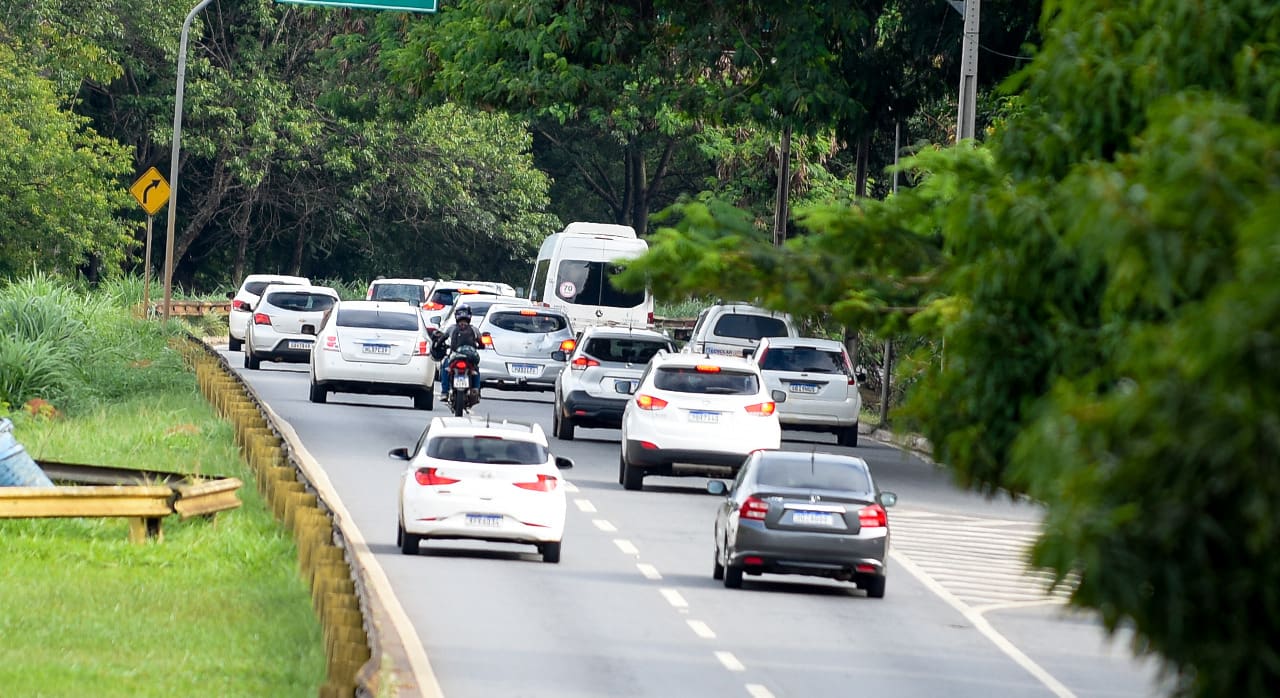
674	598
649	571
730	662
604	525
585	505
755	690
625	546
701	629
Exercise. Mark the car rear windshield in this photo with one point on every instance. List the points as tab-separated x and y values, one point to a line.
813	474
256	287
803	359
682	379
408	293
742	326
377	319
300	300
486	449
588	283
528	323
624	350
478	309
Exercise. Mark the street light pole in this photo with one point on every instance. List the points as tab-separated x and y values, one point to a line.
173	155
968	72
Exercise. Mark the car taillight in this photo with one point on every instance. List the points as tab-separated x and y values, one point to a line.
569	345
422	348
432	305
873	516
754	508
763	409
707	368
240	305
528	313
545	483
432	477
649	402
261	319
582	363
486	341
649	317
368	295
762	355
331	342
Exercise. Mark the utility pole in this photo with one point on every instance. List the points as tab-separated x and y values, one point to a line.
781	203
968	71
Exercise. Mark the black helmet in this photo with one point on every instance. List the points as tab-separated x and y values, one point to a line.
463	313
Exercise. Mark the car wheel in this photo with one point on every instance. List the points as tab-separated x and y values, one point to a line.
550	551
425	400
717	572
733	577
632	477
399	535
318	395
562	426
848	436
234	344
408	542
251	362
459	403
874	587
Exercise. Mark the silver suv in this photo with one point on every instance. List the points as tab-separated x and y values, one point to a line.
735	329
587	392
523	347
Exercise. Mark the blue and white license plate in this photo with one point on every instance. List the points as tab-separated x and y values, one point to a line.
813	518
704	416
484	520
524	369
377	348
296	344
806	388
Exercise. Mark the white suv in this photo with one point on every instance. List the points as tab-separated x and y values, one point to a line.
693	410
605	357
734	329
820	383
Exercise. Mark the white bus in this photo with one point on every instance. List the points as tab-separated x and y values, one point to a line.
573	271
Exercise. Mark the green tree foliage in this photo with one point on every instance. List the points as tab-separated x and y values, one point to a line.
1103	275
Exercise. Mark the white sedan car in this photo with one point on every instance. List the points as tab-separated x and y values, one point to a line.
692	411
373	348
471	478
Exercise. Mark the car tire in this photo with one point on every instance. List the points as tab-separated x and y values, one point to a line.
425	400
251	362
632	477
234	344
399	535
732	577
561	426
874	587
550	551
848	436
318	394
408	542
458	403
717	571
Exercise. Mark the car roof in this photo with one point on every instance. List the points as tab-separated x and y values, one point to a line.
382	306
781	456
688	360
473	425
802	342
623	332
748	309
307	288
410	282
526	305
275	277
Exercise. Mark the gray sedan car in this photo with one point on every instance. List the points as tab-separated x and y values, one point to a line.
815	514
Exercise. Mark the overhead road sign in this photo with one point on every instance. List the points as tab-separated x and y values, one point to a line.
394	5
151	190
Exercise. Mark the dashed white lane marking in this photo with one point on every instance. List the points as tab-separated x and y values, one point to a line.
570	487
701	629
730	662
649	571
625	546
585	505
673	597
755	690
604	525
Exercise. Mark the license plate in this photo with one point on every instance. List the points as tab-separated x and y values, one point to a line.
484	520
724	352
806	388
377	348
705	417
813	518
294	344
524	369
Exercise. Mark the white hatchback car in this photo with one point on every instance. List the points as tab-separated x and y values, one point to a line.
523	347
373	348
415	291
695	410
280	318
821	386
586	394
244	298
471	478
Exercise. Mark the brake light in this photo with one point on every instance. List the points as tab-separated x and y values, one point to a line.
486	341
368	295
649	317
240	305
331	342
432	477
763	409
582	363
261	319
432	305
708	368
873	516
545	483
754	508
529	313
569	345
422	348
461	365
848	369
649	402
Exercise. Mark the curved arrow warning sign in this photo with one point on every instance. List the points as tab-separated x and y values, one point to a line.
151	190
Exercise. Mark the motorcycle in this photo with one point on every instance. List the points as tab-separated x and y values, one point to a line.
461	366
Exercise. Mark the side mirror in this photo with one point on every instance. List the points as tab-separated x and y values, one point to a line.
888	499
309	329
435	320
398	454
563	463
778	396
559	355
717	487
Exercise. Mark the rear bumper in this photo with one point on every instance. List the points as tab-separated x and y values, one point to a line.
833	555
587	410
495	372
664	458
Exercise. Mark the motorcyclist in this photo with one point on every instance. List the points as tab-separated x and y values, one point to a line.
462	334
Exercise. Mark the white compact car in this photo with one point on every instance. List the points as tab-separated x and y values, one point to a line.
471	478
244	298
284	322
821	386
696	410
586	394
415	291
373	348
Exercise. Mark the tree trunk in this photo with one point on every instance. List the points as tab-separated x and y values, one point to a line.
241	232
299	246
887	373
783	197
218	186
864	148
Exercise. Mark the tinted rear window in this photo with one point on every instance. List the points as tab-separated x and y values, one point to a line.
478	309
377	320
588	283
803	359
494	451
816	474
749	326
624	350
300	301
255	287
408	293
538	323
690	380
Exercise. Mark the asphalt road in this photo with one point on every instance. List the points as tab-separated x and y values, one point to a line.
632	610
